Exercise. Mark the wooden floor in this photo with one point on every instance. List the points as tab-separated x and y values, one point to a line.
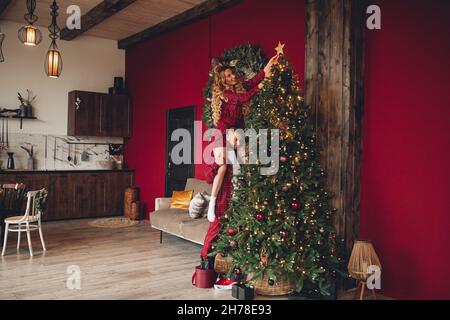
125	263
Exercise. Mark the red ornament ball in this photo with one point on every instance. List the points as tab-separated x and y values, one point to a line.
283	234
295	205
259	216
283	158
231	232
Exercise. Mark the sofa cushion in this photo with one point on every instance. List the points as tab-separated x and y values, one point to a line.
178	222
169	219
197	206
181	199
198	185
195	230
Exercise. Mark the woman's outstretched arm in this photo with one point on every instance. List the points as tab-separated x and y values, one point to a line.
235	98
264	73
253	82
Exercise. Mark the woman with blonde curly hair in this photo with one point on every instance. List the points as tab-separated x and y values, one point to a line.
230	100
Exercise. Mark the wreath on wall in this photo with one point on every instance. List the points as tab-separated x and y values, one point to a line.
247	61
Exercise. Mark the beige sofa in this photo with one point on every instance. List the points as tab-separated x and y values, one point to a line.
177	221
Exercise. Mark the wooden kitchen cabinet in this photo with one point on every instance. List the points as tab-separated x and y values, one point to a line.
90	196
33	182
115	115
82	194
115	187
98	114
60	198
84	114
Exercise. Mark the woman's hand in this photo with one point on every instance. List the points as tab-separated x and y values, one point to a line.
268	67
260	85
274	59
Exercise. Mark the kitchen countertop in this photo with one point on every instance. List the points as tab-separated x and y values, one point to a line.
16	171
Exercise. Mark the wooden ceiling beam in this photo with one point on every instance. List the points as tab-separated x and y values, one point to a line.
3	5
99	13
189	16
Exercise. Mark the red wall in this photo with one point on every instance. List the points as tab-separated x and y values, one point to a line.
171	71
406	175
405	169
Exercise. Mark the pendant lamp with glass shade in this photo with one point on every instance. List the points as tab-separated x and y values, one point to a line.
53	60
2	37
29	34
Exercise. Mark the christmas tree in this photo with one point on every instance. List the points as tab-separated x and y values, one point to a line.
279	227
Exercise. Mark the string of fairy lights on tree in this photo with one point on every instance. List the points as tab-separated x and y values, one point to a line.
281	225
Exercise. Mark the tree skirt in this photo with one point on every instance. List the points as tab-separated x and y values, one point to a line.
118	222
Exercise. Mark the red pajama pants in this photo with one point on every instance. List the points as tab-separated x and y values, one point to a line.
222	204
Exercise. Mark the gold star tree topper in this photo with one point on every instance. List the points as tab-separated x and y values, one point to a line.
279	48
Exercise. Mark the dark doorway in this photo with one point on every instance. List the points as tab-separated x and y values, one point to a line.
176	175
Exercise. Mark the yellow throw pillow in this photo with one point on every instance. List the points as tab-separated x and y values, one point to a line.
181	199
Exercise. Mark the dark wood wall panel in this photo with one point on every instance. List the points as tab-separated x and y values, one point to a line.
334	92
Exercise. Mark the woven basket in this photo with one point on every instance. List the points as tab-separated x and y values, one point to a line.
131	195
280	287
223	264
135	213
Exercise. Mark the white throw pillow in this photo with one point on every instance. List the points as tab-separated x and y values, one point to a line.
197	205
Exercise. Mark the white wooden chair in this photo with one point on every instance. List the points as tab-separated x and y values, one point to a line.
31	221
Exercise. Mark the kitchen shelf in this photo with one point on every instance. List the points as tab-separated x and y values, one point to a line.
93	142
18	117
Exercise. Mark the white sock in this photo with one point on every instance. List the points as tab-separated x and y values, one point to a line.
212	209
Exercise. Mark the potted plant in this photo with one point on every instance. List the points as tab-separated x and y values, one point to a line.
26	105
40	201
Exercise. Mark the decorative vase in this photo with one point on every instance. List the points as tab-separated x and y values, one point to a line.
23	111
30	163
118	83
10	163
29	111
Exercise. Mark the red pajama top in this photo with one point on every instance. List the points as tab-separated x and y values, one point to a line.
231	111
